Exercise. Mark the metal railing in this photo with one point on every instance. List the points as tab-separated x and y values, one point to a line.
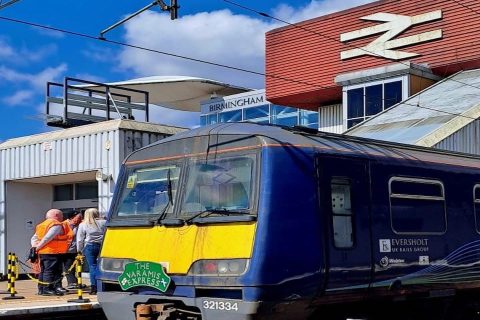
85	102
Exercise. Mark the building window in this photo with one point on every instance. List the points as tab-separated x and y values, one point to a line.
309	119
476	204
203	121
63	192
284	116
259	114
417	206
366	100
342	213
268	113
212	118
230	116
86	190
77	191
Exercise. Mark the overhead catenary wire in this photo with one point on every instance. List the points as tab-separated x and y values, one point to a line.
138	47
174	55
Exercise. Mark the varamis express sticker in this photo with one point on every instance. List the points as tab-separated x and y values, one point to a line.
144	274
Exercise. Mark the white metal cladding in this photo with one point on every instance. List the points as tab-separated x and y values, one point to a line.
467	139
60	153
330	119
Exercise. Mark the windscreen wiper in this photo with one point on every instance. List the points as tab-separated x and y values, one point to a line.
170	201
207	212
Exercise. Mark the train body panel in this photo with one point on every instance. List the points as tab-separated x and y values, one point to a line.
258	221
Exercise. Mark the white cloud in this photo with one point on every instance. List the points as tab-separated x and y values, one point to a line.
37	81
6	51
28	55
219	36
24	55
20	97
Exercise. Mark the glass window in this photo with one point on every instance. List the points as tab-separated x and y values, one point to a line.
86	190
224	184
354	122
368	100
256	112
212	118
476	203
230	116
203	121
281	110
355	103
63	192
342	214
417	206
285	116
149	191
393	93
286	121
373	99
309	119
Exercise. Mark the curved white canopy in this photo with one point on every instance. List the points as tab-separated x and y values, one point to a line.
177	92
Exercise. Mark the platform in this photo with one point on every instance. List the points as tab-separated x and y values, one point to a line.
35	304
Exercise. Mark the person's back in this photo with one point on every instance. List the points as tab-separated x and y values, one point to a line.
89	238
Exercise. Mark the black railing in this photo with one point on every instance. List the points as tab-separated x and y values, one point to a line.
88	102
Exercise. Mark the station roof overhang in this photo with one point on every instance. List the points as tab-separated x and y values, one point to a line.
177	92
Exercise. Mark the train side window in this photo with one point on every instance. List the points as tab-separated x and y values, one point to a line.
476	204
417	206
342	213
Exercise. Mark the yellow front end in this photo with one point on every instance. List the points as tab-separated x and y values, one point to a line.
177	248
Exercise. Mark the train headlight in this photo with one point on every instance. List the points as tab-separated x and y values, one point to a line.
114	264
230	267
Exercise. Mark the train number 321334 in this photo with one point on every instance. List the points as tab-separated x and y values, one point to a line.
220	305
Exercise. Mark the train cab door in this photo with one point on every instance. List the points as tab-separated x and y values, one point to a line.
344	189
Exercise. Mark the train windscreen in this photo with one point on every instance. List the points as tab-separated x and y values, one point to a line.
149	191
221	184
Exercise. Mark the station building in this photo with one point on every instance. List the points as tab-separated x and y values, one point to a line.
353	65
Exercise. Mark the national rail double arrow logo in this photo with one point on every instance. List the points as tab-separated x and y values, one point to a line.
392	26
144	274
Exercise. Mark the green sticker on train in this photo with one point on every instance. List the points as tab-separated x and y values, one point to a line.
144	274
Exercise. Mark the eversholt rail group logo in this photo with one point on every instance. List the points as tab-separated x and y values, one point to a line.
144	274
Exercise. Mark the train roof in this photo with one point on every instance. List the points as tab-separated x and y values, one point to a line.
329	143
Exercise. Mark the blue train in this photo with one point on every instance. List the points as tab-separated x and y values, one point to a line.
257	222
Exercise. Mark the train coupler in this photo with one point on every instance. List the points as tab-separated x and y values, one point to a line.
162	311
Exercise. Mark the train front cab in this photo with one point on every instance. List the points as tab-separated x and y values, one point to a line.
214	221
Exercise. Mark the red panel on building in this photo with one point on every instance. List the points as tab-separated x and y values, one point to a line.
303	61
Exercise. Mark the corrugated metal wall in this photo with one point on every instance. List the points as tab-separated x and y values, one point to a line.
331	118
465	140
311	54
103	151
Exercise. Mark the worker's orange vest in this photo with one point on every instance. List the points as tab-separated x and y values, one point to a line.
60	243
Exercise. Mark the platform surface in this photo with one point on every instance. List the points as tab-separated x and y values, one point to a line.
36	304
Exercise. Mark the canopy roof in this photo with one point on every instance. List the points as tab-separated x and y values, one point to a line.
430	116
177	92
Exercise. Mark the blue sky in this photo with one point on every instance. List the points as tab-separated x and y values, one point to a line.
210	29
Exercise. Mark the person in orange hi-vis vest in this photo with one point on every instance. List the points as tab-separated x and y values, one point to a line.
51	241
